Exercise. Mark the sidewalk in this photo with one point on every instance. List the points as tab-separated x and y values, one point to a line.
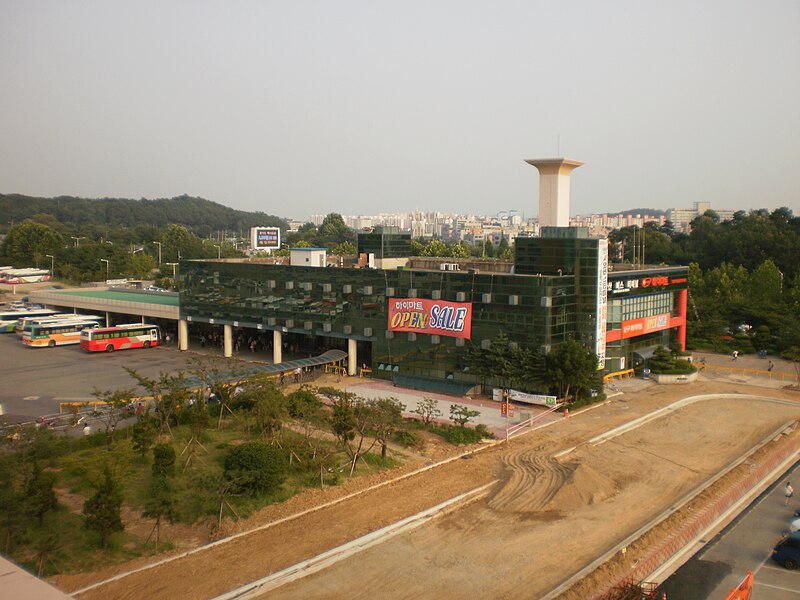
747	368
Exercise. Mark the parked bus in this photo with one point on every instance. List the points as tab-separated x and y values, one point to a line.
17	276
24	324
57	334
121	337
8	318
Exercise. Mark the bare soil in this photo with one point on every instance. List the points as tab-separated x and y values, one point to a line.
545	519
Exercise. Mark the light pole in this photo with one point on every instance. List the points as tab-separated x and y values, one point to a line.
105	260
173	265
52	264
219	251
78	240
159	252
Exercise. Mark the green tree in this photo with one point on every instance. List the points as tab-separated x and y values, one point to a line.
570	367
102	510
40	497
144	432
345	249
388	416
160	505
27	244
256	467
461	415
112	413
436	248
428	410
163	460
333	231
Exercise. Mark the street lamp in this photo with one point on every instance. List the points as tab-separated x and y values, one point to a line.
105	260
219	251
173	265
78	240
159	252
52	264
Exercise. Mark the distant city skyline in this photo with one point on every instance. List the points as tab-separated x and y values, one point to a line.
304	108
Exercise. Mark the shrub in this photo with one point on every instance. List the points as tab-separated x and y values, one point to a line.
463	435
256	467
409	439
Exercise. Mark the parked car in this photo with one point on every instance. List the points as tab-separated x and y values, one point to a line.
787	551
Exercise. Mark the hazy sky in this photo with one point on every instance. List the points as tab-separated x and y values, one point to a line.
298	108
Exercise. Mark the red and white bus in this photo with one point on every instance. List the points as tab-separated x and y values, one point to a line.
121	337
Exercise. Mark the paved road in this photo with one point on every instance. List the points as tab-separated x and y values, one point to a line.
36	380
746	544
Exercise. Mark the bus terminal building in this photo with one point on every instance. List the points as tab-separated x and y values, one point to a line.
412	320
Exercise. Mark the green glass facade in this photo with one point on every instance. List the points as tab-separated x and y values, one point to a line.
336	304
557	292
385	242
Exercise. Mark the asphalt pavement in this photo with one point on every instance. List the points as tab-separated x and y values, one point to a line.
744	545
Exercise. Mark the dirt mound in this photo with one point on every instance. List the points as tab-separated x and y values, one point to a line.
587	486
530	480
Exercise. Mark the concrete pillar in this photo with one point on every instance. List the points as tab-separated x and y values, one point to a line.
183	335
683	296
108	320
277	348
227	337
352	357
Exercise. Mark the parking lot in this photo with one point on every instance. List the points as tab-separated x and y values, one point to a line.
36	380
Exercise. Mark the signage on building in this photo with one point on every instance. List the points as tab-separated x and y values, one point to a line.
433	317
619	286
637	327
602	302
265	238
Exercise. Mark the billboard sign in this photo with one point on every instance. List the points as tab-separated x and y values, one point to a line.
432	317
602	302
532	398
265	238
637	327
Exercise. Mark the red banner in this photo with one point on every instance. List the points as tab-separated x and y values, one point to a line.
433	317
637	327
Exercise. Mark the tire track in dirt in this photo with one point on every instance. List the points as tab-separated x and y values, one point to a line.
532	479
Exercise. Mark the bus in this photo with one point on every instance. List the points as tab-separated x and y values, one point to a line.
17	276
24	324
121	337
60	333
8	318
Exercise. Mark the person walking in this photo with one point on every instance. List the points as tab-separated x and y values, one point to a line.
769	368
788	492
735	354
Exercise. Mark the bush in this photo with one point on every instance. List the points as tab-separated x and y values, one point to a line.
409	439
463	435
255	467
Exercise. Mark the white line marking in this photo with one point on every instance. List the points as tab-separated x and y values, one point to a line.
775	587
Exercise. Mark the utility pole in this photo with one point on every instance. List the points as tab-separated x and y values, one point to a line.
159	252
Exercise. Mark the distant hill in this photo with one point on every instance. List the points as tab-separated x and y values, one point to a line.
194	213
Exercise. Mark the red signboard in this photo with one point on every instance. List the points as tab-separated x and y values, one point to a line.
434	317
636	327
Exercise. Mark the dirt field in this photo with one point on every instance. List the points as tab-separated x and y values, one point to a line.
544	520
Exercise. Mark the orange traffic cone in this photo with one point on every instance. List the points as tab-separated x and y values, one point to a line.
566	413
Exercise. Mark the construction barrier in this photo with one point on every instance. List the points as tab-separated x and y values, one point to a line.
702	519
626	374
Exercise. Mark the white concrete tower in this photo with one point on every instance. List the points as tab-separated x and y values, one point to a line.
554	189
